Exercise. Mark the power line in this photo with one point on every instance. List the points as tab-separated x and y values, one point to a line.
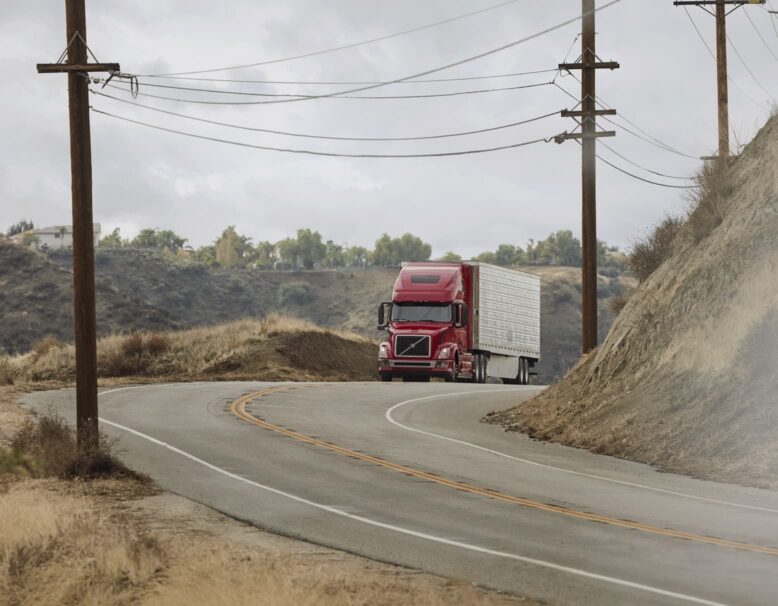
441	68
343	46
761	37
302	97
639	178
748	69
640	166
325	137
773	15
713	56
647	138
318	153
356	82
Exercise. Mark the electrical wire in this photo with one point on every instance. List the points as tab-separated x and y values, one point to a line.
761	37
301	97
356	82
325	137
626	172
713	56
640	166
647	138
342	46
748	69
318	153
442	67
773	15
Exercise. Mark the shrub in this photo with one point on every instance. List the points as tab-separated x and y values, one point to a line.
7	374
297	293
157	344
617	303
52	445
709	201
45	345
132	345
649	254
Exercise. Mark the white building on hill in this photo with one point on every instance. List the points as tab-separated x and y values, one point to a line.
57	237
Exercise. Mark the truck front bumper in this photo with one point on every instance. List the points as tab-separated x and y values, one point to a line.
400	368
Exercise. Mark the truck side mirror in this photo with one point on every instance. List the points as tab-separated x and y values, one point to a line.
460	315
384	313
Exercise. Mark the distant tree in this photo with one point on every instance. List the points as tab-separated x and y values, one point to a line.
310	247
205	255
356	256
265	253
112	240
486	257
288	252
233	248
505	255
156	238
560	248
391	252
450	257
334	255
29	239
20	227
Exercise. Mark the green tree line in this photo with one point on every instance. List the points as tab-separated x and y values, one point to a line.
309	250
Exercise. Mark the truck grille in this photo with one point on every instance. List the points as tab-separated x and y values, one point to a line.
407	346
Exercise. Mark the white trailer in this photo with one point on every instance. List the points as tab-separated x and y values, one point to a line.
506	320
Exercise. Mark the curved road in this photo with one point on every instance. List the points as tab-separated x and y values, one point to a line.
405	473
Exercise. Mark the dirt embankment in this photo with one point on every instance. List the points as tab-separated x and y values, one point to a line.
277	348
687	378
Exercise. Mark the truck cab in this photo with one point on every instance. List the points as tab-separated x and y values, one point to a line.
428	324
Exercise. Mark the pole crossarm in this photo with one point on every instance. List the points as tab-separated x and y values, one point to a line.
61	68
599	65
566	113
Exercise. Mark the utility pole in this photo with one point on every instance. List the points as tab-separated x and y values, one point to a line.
722	75
588	63
76	67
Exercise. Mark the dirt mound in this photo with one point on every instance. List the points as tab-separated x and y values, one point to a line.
687	379
274	349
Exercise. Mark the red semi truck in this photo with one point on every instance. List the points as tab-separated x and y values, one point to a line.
463	321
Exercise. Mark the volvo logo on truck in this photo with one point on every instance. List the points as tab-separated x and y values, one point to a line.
460	322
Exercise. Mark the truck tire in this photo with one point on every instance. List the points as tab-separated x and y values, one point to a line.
386	377
452	377
478	368
524	371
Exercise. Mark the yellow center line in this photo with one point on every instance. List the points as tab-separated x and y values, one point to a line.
238	408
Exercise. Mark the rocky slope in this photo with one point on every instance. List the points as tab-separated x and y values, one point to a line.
687	378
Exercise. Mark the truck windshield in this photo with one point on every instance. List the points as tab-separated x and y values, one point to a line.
428	312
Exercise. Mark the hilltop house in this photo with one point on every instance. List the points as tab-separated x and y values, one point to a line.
57	237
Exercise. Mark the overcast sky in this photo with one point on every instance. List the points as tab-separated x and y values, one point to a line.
147	178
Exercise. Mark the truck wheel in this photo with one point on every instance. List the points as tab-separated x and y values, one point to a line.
386	377
523	371
477	368
484	364
452	377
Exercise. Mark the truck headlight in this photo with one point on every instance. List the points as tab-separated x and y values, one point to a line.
444	354
383	351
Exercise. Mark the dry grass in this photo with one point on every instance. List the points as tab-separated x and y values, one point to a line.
234	350
51	444
60	547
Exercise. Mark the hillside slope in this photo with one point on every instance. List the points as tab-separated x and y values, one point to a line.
146	289
687	378
36	300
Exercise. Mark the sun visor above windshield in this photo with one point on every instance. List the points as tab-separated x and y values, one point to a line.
433	283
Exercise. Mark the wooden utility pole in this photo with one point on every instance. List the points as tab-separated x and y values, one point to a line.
589	63
722	75
76	67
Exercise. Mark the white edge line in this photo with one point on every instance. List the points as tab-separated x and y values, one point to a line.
389	418
420	535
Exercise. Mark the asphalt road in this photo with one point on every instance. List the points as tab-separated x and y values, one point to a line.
405	473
